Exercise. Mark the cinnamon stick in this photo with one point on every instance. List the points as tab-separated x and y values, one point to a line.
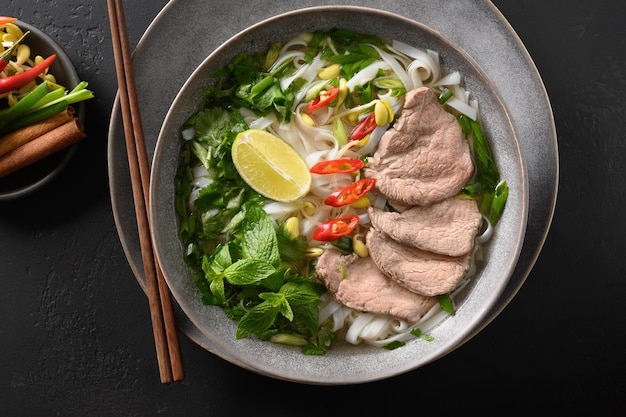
41	147
15	139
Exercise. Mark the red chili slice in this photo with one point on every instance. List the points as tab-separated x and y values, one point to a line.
333	229
20	79
364	128
323	99
7	19
337	166
350	193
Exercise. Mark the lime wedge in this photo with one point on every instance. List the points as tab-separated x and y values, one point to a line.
270	165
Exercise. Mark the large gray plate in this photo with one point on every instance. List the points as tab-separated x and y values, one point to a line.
495	48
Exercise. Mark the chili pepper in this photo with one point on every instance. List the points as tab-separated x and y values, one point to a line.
350	193
337	166
5	19
334	229
19	80
323	99
5	57
364	128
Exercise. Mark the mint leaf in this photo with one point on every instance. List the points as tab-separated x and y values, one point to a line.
259	235
273	298
291	250
221	259
286	311
215	278
303	297
257	320
248	271
280	301
302	292
274	281
308	316
217	289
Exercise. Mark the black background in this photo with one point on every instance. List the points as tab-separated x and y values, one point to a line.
75	334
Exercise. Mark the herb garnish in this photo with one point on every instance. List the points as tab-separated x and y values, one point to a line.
252	273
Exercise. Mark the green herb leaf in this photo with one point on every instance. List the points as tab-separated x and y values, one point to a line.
280	301
291	250
314	45
217	289
302	292
321	342
259	235
417	332
344	243
257	320
445	302
394	345
308	316
215	279
303	296
221	259
248	271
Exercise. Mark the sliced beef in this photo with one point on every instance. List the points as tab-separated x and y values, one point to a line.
447	227
422	272
365	288
424	157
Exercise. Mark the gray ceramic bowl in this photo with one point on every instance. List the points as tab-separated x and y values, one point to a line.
39	174
344	364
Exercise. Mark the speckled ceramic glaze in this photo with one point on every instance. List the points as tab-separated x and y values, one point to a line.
33	177
497	71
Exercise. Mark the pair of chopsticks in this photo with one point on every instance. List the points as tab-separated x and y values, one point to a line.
159	297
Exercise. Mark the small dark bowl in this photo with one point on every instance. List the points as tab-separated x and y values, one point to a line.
35	176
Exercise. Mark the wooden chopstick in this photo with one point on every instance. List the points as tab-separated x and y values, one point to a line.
159	298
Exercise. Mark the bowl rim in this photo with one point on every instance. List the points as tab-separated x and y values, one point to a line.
239	37
68	72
